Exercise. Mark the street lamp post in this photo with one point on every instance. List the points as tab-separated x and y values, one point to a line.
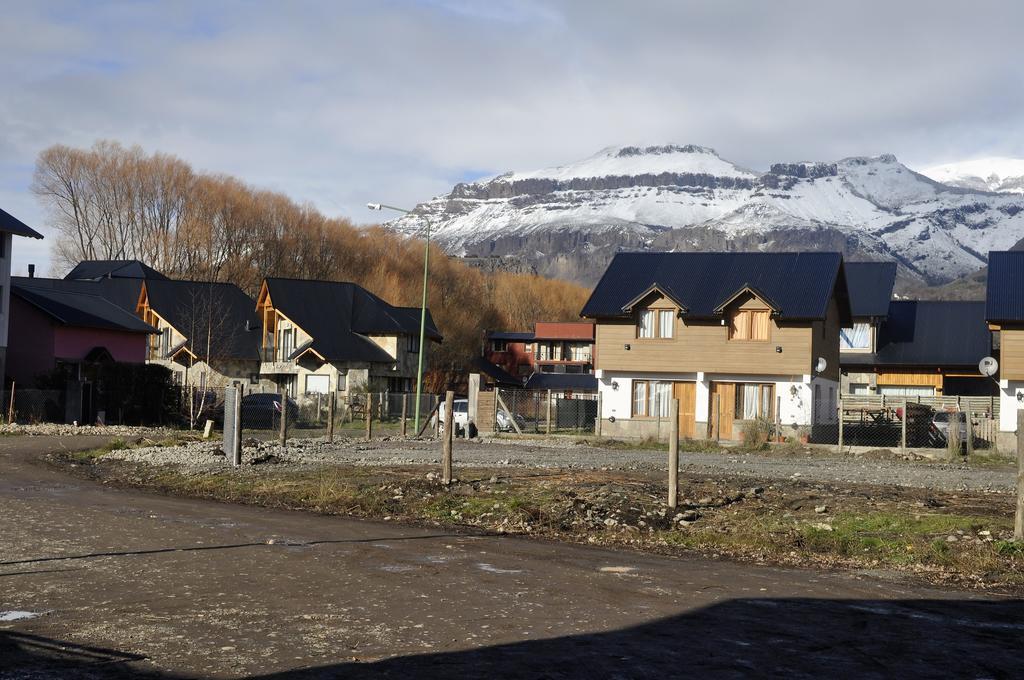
423	312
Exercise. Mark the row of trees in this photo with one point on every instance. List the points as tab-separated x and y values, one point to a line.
113	202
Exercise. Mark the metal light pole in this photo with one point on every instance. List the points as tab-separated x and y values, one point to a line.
423	312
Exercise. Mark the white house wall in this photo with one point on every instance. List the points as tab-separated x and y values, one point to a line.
1011	398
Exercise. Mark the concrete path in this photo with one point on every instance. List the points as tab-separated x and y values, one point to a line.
97	582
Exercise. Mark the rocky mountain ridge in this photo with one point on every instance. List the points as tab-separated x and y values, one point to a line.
570	220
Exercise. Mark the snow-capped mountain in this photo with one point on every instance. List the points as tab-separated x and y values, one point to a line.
998	174
569	221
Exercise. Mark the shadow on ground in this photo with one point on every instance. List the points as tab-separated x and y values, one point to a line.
789	638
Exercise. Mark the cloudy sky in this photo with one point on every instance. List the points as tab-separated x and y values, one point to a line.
340	103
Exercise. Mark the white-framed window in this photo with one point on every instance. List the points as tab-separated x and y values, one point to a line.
856	338
318	384
666	323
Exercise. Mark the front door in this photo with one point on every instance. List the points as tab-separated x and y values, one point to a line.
725	395
686	393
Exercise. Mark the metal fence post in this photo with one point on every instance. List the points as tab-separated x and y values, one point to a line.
236	454
284	419
597	421
548	426
903	428
405	415
1018	520
840	414
332	409
446	441
969	425
673	456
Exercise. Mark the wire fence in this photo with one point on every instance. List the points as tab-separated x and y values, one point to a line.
545	412
958	424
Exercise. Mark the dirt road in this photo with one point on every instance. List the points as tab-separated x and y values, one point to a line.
97	582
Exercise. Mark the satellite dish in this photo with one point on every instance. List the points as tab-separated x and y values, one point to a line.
988	366
820	365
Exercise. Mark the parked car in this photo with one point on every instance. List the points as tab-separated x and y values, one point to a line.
460	417
504	421
263	410
941	422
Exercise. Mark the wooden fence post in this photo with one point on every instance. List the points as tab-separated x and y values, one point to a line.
369	416
840	425
1018	520
716	417
548	426
778	419
969	425
405	415
597	421
502	404
673	456
332	410
10	406
446	441
284	419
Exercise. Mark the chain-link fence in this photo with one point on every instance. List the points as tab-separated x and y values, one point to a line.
354	415
958	424
544	412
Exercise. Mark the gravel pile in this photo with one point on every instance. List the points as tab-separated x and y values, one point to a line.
61	430
567	455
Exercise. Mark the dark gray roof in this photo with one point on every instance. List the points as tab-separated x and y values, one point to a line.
581	382
511	336
800	285
497	373
928	334
1004	299
203	311
339	316
119	269
12	224
71	308
870	285
122	292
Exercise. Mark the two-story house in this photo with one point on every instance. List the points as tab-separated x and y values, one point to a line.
10	226
209	333
552	347
323	336
910	348
743	334
1004	311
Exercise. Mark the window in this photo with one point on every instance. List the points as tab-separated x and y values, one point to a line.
856	338
318	384
666	319
860	388
414	344
342	381
543	351
496	345
906	390
754	400
645	324
165	342
287	343
747	324
651	398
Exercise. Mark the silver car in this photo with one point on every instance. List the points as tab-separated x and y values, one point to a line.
941	421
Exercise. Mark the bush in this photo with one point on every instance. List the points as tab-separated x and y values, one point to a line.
756	433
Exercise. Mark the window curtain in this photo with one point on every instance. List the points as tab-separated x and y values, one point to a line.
645	324
639	398
750	398
663	399
665	319
759	325
858	337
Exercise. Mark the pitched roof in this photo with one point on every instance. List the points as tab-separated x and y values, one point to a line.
870	285
106	269
496	373
582	382
1004	300
13	225
929	333
511	336
218	313
122	292
339	316
800	285
70	308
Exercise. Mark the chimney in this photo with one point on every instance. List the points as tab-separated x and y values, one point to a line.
31	271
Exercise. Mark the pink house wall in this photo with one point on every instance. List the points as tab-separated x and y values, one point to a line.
73	343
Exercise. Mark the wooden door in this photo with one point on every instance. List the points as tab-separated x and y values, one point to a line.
686	393
726	394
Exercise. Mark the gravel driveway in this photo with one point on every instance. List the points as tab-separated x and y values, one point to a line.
565	454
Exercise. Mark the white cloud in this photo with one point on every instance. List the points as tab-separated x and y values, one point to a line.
341	103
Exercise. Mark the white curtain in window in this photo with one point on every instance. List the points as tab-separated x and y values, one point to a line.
858	337
639	398
663	396
645	324
665	319
750	397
